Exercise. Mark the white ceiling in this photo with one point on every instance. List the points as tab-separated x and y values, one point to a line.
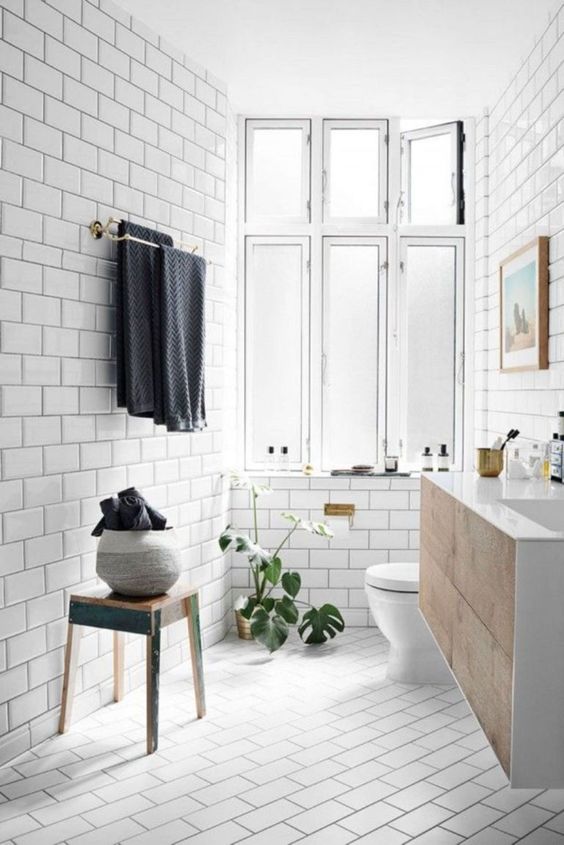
336	57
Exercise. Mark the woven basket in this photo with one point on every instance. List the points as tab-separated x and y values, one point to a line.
243	627
138	563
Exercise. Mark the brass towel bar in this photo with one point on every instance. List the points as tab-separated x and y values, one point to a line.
100	230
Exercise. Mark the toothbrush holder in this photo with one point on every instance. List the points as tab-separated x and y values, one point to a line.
489	462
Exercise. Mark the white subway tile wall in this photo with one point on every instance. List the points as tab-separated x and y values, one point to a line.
385	529
99	118
519	195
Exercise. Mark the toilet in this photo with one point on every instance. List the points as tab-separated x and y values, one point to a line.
393	596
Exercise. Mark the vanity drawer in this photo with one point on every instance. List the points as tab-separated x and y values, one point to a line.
437	602
437	526
484	573
485	675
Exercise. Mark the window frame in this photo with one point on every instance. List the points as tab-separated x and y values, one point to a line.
381	364
392	229
455	129
398	414
329	124
270	240
266	123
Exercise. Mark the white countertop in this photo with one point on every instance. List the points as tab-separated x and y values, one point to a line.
484	495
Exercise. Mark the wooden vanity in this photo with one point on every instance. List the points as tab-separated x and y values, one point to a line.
489	599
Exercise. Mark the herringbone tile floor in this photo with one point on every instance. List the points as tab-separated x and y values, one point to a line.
313	746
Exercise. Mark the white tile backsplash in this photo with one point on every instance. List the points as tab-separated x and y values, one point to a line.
333	570
98	118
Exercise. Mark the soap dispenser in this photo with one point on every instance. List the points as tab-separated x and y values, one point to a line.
443	459
426	460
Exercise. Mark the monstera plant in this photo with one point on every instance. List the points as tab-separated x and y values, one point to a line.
274	605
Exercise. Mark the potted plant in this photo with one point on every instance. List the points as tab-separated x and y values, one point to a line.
273	605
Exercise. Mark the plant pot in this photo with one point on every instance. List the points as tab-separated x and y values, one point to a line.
138	563
243	626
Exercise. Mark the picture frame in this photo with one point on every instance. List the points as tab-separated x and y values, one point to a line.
523	308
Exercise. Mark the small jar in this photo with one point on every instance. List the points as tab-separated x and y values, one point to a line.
391	463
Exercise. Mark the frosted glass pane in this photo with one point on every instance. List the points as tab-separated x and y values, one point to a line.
277	173
350	342
354	173
431	189
274	335
431	299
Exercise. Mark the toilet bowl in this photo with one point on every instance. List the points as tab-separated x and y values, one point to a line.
393	597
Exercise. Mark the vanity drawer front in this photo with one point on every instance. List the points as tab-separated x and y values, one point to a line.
437	526
437	602
484	573
484	673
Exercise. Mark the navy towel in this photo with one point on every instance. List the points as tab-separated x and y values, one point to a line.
128	511
179	308
136	268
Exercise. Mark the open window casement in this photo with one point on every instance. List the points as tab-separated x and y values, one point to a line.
432	175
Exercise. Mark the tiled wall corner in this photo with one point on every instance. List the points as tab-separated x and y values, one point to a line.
520	192
99	118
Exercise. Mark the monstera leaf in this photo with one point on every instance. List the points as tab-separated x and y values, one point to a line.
272	632
286	608
273	570
321	623
243	543
292	582
320	528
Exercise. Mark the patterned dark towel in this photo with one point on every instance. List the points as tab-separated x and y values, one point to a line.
179	307
136	268
128	511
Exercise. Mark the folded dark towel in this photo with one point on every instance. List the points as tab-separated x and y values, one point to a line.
136	267
179	313
128	511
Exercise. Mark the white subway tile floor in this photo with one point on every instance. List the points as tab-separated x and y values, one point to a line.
312	745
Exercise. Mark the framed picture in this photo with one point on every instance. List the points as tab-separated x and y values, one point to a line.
523	299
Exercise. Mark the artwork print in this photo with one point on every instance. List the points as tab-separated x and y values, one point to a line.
524	308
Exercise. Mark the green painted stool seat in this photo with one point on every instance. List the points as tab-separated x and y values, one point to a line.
101	608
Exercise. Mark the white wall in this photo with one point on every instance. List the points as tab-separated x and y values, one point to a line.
520	194
385	529
99	117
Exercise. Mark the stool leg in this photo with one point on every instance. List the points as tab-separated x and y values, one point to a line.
193	619
153	662
118	665
71	659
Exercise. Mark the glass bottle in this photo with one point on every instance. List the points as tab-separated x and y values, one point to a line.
443	459
284	459
427	460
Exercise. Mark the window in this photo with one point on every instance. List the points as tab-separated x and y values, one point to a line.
354	306
277	184
354	170
276	347
432	174
353	318
431	330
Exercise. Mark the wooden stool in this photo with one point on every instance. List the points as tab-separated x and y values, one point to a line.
101	608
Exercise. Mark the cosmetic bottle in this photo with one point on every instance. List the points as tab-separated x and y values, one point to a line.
270	459
284	465
560	423
546	461
426	460
443	459
556	458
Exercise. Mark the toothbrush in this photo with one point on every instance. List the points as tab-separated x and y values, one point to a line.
511	435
